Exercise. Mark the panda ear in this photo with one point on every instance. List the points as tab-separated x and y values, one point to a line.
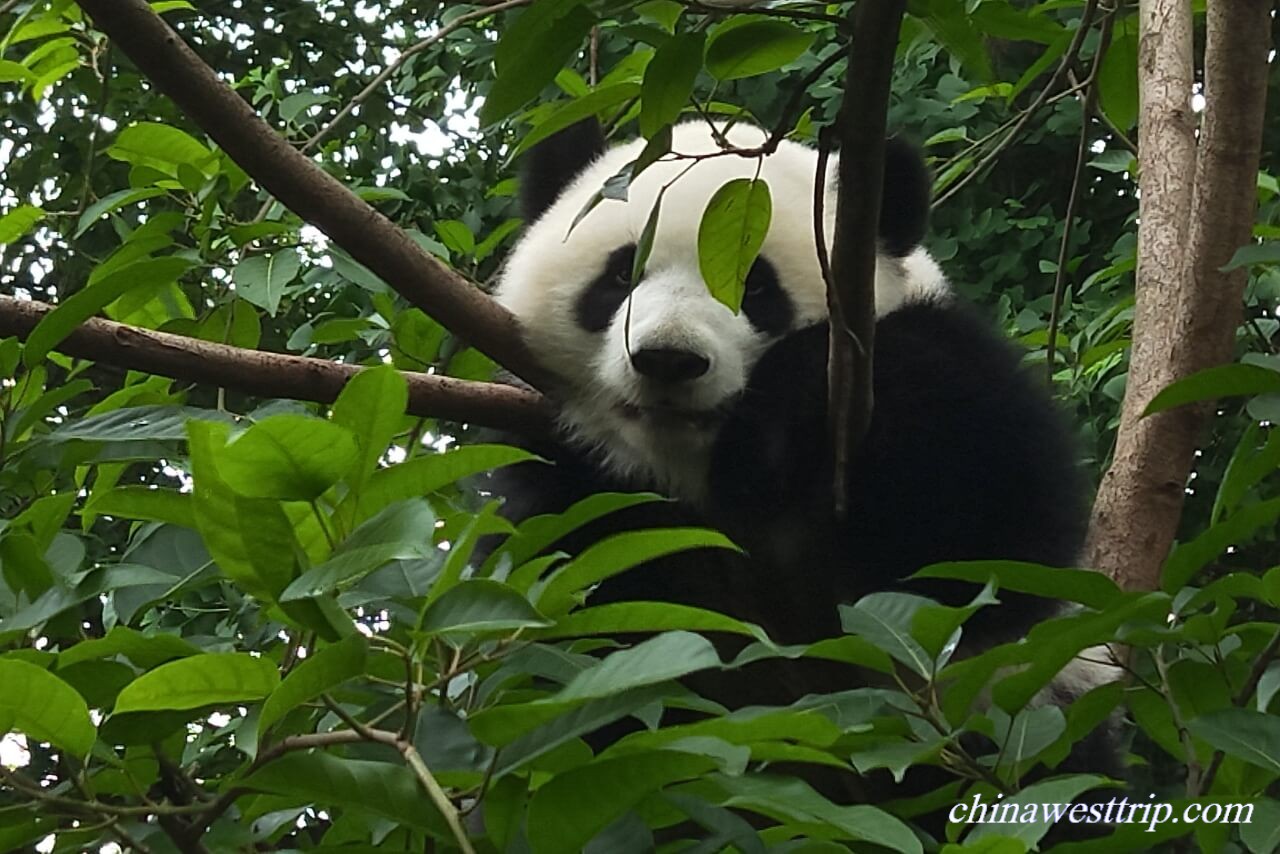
904	207
548	167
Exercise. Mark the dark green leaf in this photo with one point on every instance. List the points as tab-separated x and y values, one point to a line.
1254	253
1213	384
532	51
1074	585
1118	77
143	502
1248	735
18	222
1059	790
759	46
885	620
481	605
1188	558
567	812
323	670
668	81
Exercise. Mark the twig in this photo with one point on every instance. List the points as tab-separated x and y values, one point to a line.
1077	41
1260	665
309	191
1188	744
276	374
1082	152
851	291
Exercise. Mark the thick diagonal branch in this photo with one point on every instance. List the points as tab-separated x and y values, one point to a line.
851	291
1197	208
275	374
303	187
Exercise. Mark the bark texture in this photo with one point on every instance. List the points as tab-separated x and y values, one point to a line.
1197	208
310	192
275	374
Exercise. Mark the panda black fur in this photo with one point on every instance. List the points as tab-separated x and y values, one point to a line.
966	457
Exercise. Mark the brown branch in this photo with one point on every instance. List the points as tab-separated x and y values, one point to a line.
1196	208
276	374
309	191
851	291
1087	110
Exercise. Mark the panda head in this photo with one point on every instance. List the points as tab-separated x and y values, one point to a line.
653	366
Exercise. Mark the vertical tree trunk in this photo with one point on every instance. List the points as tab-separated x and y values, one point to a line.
1197	207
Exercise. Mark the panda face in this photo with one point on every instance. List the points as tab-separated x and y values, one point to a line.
652	366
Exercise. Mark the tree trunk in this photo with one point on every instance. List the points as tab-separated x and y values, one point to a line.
1197	208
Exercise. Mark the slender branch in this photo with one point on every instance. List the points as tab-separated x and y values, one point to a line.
276	374
1088	108
373	85
851	291
303	187
1073	50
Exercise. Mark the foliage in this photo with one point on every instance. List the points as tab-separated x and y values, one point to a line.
257	625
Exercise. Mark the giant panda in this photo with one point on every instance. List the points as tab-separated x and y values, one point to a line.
667	390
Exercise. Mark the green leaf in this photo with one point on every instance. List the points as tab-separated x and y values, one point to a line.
423	476
380	788
288	457
574	111
456	235
1189	558
1251	736
145	651
885	620
535	534
1261	835
372	406
574	806
1118	76
481	605
619	553
668	81
398	533
667	656
162	148
213	678
629	617
323	670
532	51
253	541
88	301
786	799
143	502
44	708
952	26
1074	585
1213	384
644	246
402	531
738	50
730	235
261	279
298	103
1059	790
136	423
895	755
113	202
1249	255
18	222
1249	466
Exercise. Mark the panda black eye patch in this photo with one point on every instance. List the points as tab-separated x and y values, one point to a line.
765	303
599	302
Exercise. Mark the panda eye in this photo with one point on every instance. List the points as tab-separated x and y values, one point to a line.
622	277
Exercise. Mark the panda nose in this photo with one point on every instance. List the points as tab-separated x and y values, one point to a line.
670	365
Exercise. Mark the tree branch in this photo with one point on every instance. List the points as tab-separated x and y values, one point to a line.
277	374
309	191
851	290
1196	208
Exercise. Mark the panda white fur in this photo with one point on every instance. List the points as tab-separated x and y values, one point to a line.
668	390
